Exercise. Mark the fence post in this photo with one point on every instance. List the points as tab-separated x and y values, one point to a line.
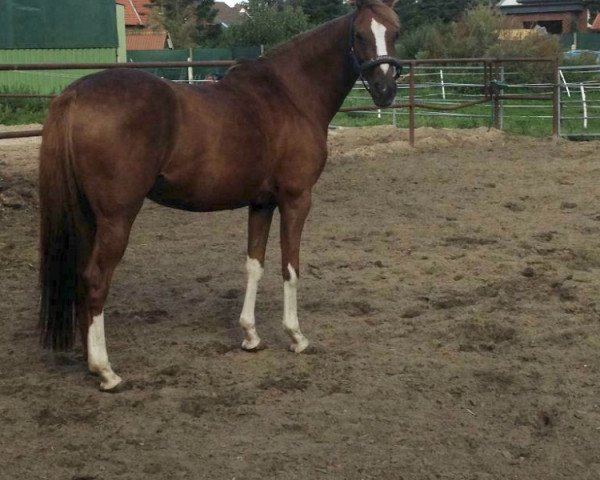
555	100
411	105
585	110
494	68
564	81
501	112
190	70
559	112
443	84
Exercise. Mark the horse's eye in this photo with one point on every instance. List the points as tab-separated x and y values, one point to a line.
359	37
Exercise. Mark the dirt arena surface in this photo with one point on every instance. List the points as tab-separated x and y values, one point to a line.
450	292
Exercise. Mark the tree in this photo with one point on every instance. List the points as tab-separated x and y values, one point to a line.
178	17
208	33
414	13
267	23
189	22
320	11
472	36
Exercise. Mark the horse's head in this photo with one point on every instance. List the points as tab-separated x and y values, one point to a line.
374	33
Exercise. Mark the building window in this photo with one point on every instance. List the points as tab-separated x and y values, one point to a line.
552	26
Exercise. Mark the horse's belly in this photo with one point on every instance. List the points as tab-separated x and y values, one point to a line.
208	194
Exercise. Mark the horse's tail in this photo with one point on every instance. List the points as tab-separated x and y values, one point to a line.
66	231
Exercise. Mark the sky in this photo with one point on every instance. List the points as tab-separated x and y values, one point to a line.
231	3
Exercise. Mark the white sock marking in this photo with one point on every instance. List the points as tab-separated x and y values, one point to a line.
290	313
379	33
247	320
97	355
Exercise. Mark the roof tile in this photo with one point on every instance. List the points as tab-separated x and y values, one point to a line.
136	12
146	40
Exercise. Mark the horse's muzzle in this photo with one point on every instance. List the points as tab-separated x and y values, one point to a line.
380	82
383	92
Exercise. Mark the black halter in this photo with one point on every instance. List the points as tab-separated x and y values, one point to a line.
360	68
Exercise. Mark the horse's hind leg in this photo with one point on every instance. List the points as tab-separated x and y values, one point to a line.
110	242
259	223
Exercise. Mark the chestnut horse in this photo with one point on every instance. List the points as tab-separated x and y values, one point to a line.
256	139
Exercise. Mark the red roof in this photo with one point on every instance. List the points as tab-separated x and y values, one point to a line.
146	40
596	24
136	12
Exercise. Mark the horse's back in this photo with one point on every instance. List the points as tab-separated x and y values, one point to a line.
122	103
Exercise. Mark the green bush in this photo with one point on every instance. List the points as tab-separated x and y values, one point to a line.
586	58
534	45
266	24
478	34
18	111
472	36
412	43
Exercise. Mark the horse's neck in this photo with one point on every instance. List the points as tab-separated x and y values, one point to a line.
316	69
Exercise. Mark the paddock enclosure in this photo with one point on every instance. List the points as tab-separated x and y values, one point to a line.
450	292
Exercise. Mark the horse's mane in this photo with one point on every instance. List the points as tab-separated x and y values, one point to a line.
314	34
289	47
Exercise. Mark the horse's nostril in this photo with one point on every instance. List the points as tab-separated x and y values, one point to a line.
381	87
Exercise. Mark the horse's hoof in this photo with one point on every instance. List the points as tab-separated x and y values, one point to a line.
253	345
300	346
116	385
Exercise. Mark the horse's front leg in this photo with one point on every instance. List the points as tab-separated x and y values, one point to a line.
294	211
259	223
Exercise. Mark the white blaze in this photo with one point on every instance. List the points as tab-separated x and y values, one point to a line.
290	313
379	33
247	321
98	357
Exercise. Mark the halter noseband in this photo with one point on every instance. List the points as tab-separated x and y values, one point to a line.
360	68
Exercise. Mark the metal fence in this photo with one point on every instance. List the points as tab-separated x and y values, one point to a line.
472	83
444	89
192	54
524	107
93	66
580	102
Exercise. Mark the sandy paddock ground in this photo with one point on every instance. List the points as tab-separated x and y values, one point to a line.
450	293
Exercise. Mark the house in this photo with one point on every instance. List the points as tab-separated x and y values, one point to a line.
227	16
148	40
139	35
136	13
556	16
595	27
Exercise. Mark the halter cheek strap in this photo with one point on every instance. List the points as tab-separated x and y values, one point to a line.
360	68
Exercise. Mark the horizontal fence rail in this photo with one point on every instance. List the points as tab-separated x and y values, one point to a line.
466	94
106	66
480	81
